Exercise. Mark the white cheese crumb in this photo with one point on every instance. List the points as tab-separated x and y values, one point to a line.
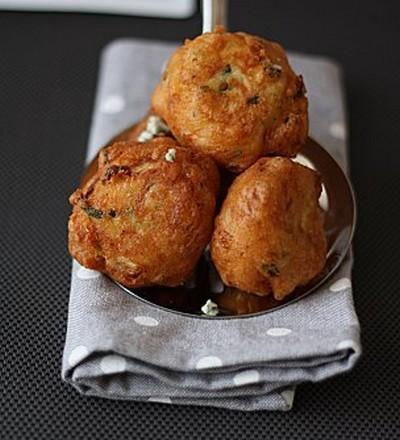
210	308
170	155
155	125
145	136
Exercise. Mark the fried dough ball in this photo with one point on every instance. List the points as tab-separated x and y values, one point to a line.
235	97
148	128
146	216
269	235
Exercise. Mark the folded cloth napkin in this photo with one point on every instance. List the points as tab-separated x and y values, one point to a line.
120	347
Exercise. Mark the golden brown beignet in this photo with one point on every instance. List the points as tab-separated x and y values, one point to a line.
269	236
235	97
147	214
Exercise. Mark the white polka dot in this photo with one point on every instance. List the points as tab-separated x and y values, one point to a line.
302	160
159	399
146	321
278	331
113	363
342	284
87	274
208	362
346	344
288	397
77	355
337	130
112	104
246	377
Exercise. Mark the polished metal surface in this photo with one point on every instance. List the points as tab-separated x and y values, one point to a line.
215	13
337	202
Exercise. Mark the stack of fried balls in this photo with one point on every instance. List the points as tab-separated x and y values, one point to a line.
227	104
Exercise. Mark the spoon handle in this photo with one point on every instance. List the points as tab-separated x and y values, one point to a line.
214	12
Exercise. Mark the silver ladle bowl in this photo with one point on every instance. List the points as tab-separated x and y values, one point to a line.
337	202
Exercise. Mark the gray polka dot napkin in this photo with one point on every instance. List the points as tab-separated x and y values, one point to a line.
122	348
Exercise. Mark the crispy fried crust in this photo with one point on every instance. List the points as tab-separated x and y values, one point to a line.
142	219
269	235
235	97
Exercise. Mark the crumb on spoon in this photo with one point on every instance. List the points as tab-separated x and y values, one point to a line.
210	308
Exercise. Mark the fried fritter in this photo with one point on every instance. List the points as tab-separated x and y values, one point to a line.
148	128
235	97
146	216
269	236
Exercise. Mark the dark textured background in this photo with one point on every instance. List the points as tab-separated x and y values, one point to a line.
48	68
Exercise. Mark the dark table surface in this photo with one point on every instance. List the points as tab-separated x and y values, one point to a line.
48	69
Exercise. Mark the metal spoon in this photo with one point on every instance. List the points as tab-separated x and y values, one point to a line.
214	12
338	204
337	201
